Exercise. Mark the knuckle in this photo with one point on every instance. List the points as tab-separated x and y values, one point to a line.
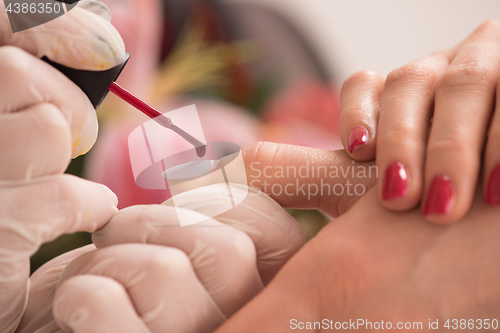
242	246
365	76
490	26
61	193
105	292
108	293
401	135
52	199
354	114
105	296
147	213
170	262
471	73
415	72
63	189
13	62
442	52
50	121
445	145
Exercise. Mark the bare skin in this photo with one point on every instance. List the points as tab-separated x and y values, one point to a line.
375	264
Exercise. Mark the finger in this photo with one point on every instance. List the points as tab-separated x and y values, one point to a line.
57	205
38	312
464	101
89	303
36	141
96	7
78	39
275	233
69	204
308	178
23	89
360	111
491	181
224	258
406	108
160	282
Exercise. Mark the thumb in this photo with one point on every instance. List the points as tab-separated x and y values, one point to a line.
80	39
308	178
59	205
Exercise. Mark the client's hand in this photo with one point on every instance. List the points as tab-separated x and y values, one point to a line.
430	123
377	265
172	279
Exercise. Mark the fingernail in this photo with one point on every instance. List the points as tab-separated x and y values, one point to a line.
440	196
357	137
395	181
493	191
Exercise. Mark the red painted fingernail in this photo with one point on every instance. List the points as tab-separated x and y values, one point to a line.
358	137
440	196
395	181
493	191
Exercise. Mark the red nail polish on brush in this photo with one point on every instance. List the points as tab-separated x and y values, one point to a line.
493	190
156	115
96	84
439	197
357	137
395	181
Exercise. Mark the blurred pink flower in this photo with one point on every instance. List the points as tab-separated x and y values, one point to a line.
109	161
307	114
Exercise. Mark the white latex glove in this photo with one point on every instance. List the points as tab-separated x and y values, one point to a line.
79	39
173	279
44	120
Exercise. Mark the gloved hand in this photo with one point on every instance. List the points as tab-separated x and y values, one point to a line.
172	279
223	270
45	120
79	39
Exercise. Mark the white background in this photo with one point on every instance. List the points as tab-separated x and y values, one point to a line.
382	35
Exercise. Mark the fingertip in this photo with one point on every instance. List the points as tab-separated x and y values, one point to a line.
111	194
84	133
96	7
361	95
357	138
394	189
106	44
90	205
93	303
362	77
440	205
360	144
400	186
83	40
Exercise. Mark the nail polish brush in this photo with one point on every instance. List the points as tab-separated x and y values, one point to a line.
97	84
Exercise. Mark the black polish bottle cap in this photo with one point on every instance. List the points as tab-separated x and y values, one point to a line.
93	83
